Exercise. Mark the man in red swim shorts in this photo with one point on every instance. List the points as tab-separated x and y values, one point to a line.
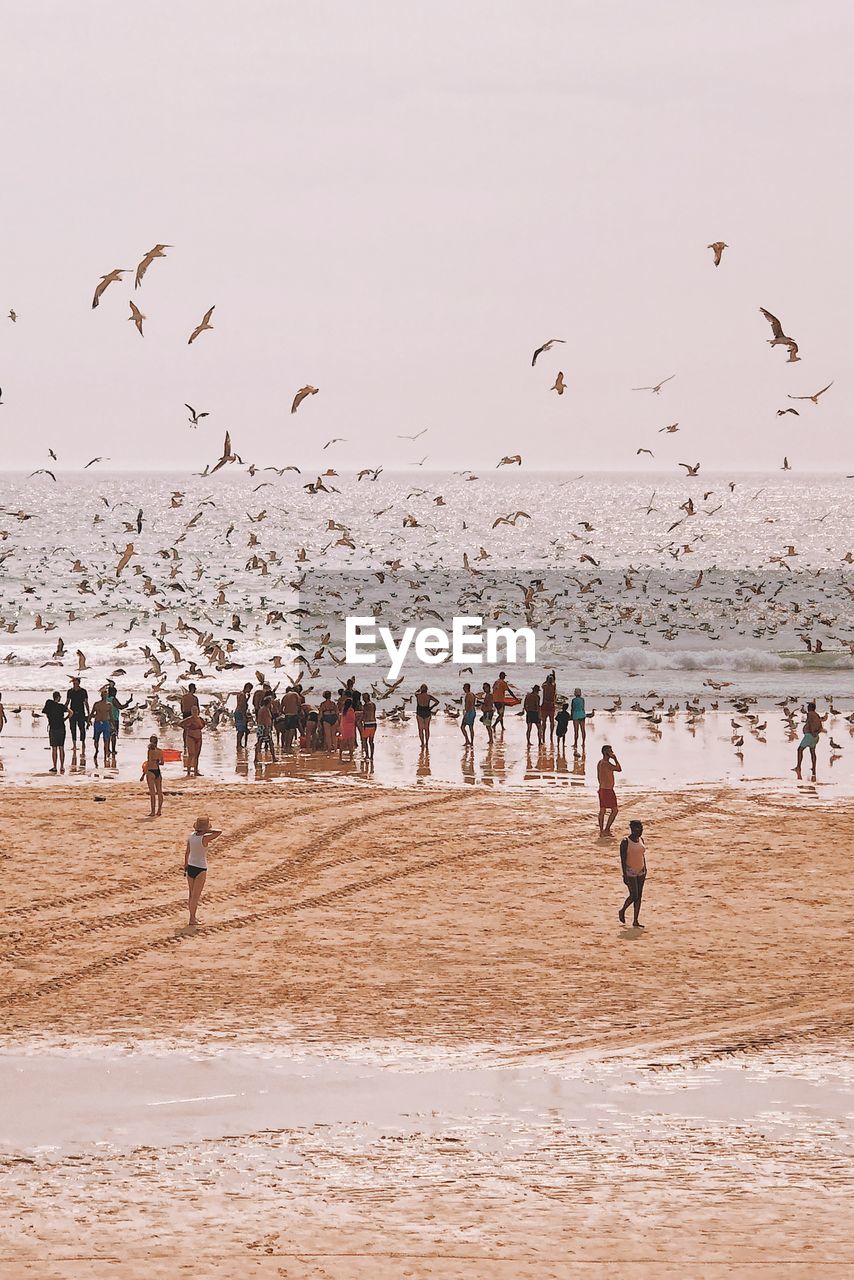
605	770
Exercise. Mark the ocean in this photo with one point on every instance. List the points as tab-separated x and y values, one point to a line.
641	590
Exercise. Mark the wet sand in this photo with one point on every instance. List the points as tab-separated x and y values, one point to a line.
675	755
453	1061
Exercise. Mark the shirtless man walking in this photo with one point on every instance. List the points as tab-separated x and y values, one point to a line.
469	709
501	691
607	767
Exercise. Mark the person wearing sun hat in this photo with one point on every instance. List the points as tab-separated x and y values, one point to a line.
196	861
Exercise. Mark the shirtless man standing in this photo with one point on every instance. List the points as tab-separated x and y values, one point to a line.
548	698
469	709
241	716
813	728
605	770
189	707
532	714
487	711
290	712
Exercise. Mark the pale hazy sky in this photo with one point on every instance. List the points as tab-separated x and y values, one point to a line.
398	201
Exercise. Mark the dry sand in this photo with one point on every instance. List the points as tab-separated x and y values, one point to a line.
346	917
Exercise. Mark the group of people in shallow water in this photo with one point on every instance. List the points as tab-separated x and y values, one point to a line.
76	714
545	713
281	722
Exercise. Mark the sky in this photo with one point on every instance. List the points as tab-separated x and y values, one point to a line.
397	201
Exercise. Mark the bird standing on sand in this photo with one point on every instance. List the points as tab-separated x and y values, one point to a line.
200	328
717	247
156	252
785	466
106	281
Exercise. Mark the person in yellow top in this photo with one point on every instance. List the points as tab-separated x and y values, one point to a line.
633	861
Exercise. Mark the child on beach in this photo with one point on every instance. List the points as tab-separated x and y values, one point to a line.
561	725
196	861
369	727
347	730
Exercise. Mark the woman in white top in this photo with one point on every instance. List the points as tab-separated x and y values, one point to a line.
196	861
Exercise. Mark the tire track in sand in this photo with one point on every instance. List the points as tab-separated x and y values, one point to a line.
29	994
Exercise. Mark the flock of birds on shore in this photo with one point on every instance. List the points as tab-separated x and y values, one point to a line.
588	604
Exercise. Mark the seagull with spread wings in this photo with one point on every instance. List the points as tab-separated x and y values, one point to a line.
307	390
200	328
656	389
515	460
422	432
717	247
559	385
334	440
93	461
691	470
228	454
813	398
195	417
780	339
156	252
137	317
547	346
106	281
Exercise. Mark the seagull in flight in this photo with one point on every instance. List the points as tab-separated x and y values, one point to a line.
814	398
200	328
547	346
301	395
93	461
717	247
559	385
137	317
514	460
657	388
334	440
156	252
106	281
422	432
780	339
194	417
691	470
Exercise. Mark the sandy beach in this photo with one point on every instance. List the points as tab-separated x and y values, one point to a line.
440	931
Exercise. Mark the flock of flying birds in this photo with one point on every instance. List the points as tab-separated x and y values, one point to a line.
230	456
188	584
